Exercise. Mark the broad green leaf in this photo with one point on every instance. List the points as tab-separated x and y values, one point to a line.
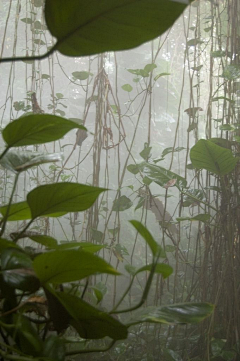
85	28
37	129
218	53
61	197
147	181
19	161
90	322
204	217
223	98
130	269
4	243
81	75
46	241
21	211
114	231
62	266
161	175
13	258
144	232
127	87
179	313
121	204
164	269
140	203
54	348
207	155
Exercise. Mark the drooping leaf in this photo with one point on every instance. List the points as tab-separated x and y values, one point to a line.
217	346
27	20
4	243
160	75
90	322
231	72
19	161
37	129
207	155
144	232
204	217
179	313
161	268
61	266
121	204
161	175
100	290
227	127
61	197
171	149
216	99
21	211
44	240
109	25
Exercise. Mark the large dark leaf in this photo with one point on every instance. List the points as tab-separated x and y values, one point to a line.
37	129
17	270
89	27
61	197
69	265
207	155
89	321
179	313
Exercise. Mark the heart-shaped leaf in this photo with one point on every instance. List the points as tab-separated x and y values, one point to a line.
207	155
85	28
37	129
61	197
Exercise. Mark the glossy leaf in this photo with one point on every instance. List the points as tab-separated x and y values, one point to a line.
121	204
62	266
207	155
37	129
13	258
89	321
144	232
173	314
161	175
19	161
61	197
85	28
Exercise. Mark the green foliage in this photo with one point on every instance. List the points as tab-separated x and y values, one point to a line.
207	155
111	25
